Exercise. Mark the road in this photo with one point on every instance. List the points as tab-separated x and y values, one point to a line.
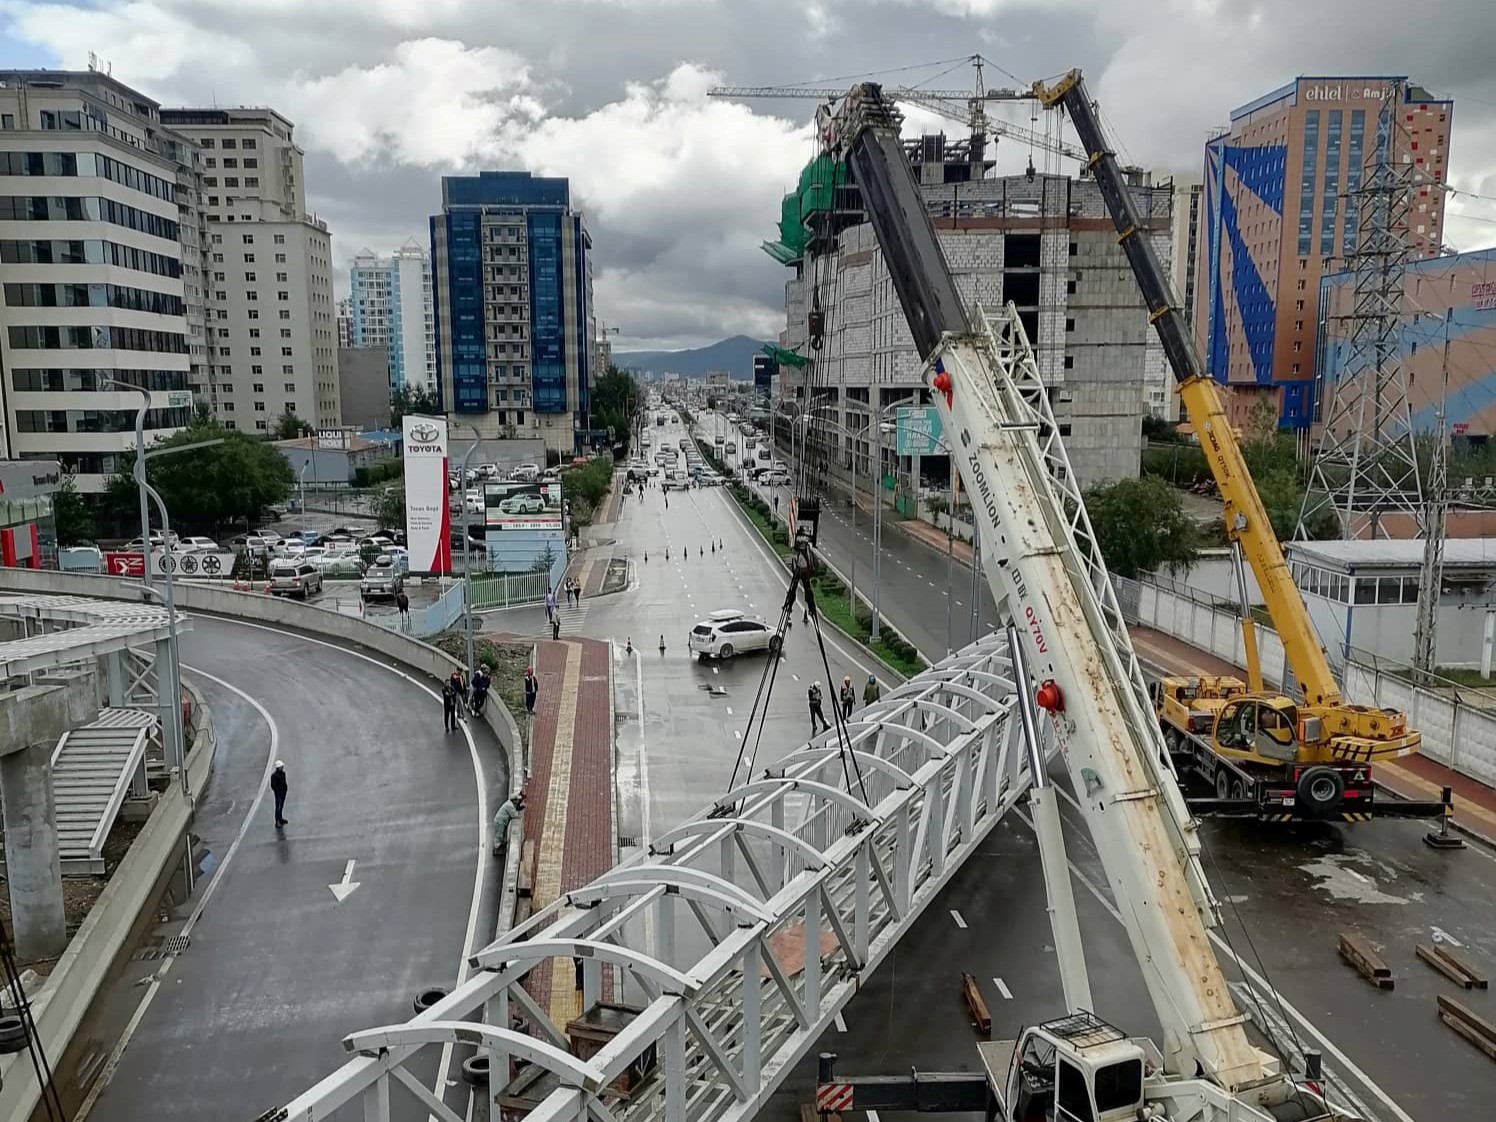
1287	893
278	969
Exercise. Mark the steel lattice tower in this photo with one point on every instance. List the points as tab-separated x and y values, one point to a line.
1367	463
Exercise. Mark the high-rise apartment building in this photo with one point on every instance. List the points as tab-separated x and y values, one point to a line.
1044	244
92	216
1283	205
345	322
390	306
272	331
512	266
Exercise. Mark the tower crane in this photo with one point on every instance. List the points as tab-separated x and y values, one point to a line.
965	106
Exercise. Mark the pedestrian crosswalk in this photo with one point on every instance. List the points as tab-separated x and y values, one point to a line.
572	619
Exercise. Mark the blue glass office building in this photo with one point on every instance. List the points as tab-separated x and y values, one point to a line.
512	279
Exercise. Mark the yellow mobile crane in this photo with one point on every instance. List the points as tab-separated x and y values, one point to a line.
1265	754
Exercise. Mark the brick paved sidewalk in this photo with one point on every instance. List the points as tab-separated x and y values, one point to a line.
568	821
1412	777
935	538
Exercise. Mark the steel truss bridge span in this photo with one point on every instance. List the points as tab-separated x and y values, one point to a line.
741	932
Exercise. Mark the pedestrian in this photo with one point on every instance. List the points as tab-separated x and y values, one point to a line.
550	602
848	697
511	809
871	692
577	591
402	602
555	627
278	788
813	695
460	690
449	706
481	682
532	691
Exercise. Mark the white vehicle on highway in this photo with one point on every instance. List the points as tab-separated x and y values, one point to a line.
776	477
676	481
730	632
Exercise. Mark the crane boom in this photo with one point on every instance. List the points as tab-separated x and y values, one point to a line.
1246	518
1047	576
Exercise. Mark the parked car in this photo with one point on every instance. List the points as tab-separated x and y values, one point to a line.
197	545
729	632
526	473
382	580
134	544
526	502
80	559
294	577
676	481
339	563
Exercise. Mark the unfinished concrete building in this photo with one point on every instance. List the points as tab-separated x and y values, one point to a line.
1045	243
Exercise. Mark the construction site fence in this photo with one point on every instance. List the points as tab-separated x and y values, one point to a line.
1458	723
496	591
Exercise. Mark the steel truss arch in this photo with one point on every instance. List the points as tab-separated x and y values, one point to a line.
812	846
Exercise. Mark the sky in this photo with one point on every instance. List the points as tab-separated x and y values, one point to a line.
679	190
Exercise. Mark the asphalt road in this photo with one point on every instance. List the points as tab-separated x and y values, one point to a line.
1287	893
278	970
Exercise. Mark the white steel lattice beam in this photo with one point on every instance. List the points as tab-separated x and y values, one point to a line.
812	845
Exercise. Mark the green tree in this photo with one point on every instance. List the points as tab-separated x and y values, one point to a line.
389	507
544	561
70	513
202	413
1140	524
290	426
1159	430
615	403
211	487
404	400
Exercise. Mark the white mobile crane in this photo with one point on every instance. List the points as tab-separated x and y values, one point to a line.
1050	580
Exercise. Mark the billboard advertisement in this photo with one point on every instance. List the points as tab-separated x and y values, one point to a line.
515	506
427	521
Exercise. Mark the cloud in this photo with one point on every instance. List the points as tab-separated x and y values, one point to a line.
679	190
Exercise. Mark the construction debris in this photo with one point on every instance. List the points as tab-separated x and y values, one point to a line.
977	1004
1360	954
1453	967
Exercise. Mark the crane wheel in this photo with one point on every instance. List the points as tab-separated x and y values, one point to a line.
1222	782
1320	789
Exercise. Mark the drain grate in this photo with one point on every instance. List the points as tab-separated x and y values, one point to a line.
165	948
625	841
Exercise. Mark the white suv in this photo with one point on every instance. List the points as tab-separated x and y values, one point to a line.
726	633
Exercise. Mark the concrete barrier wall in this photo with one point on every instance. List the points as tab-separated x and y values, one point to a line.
1460	736
106	932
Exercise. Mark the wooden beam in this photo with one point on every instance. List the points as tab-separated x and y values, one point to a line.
1361	955
975	1002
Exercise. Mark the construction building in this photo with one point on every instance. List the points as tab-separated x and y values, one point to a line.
515	331
273	336
390	306
1044	243
96	209
1283	206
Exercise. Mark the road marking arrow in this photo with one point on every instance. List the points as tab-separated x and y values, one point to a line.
344	888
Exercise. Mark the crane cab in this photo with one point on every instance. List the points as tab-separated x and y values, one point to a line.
1074	1069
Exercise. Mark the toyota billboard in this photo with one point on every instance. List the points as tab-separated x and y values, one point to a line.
427	521
523	506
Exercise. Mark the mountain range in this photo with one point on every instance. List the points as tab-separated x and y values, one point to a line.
733	355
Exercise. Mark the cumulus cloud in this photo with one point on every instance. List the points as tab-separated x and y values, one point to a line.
679	190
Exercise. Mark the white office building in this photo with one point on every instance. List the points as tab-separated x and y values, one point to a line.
273	330
91	271
389	306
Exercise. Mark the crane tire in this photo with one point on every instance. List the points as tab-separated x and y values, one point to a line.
1222	782
1320	790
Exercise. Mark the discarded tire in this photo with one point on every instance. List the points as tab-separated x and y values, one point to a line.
1320	789
12	1034
427	998
475	1071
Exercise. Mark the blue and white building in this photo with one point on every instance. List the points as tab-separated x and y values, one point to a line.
515	330
390	307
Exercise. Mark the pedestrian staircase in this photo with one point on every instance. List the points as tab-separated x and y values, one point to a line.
93	768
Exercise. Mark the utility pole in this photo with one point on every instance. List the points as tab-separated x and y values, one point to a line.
1435	512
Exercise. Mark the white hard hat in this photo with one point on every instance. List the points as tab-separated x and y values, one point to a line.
279	764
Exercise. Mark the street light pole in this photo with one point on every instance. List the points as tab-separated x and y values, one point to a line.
301	481
467	556
145	510
877	515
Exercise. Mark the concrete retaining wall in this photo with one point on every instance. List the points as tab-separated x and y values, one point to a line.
106	933
1456	734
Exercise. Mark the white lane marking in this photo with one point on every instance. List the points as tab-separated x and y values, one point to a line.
841	1025
960	920
737	734
795	676
347	886
872	1116
105	1076
1257	979
1002	988
481	872
715	670
729	710
1442	936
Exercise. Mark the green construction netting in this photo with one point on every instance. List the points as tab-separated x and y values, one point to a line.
784	357
818	181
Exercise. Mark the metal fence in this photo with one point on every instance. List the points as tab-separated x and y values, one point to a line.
495	591
428	620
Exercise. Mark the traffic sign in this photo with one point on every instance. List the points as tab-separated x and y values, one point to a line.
125	564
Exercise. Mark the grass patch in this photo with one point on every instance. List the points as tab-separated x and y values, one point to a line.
830	593
505	662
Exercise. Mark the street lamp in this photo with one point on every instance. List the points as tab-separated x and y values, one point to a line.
878	415
301	482
467	551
